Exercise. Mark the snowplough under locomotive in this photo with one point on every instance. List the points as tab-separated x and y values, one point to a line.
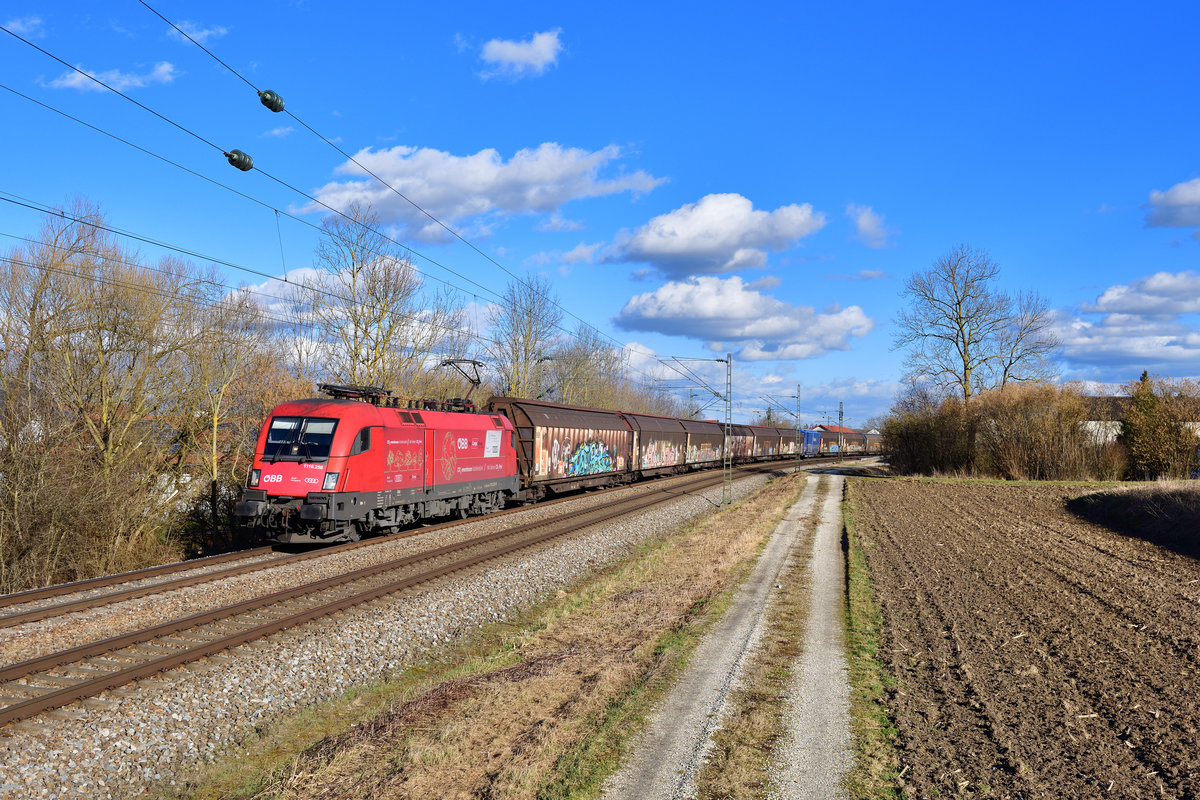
359	462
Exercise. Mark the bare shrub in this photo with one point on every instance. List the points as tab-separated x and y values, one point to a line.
119	379
1034	432
927	432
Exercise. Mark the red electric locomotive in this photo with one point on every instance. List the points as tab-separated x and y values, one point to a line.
338	469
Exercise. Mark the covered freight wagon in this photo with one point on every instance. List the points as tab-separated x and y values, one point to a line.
766	441
741	442
706	438
787	441
660	443
563	448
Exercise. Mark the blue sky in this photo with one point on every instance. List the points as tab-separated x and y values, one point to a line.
691	179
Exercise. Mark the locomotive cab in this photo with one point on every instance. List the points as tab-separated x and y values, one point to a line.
307	453
335	470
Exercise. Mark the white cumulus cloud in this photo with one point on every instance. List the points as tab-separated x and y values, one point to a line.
1161	293
868	225
728	314
557	223
458	188
1152	323
163	72
1177	207
515	60
581	253
719	233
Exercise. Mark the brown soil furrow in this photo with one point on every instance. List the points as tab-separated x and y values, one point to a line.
918	641
1038	648
1126	592
1093	663
1013	693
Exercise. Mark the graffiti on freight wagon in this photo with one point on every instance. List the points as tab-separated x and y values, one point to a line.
660	453
571	452
704	451
589	458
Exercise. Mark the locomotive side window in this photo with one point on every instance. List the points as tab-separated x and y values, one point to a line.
362	442
300	437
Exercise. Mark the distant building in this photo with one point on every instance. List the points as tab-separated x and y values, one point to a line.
1104	415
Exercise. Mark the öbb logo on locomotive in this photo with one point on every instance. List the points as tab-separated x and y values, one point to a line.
358	463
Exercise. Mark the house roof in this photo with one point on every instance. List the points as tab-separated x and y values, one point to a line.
836	429
1105	409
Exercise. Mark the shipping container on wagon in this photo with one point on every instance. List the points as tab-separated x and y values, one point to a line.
660	443
705	440
563	448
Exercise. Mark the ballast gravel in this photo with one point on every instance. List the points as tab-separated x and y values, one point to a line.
117	745
34	639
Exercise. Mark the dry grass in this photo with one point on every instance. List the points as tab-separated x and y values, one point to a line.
738	766
542	708
876	763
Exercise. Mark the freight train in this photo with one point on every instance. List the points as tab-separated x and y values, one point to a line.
356	463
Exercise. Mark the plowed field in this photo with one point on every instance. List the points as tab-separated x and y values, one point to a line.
1035	655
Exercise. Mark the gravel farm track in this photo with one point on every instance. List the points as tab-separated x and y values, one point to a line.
1035	655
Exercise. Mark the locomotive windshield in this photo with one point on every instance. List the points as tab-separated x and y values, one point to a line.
300	438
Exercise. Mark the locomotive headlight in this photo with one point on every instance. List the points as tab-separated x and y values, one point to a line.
330	482
255	475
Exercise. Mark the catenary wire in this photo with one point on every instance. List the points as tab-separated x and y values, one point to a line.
283	183
370	172
31	205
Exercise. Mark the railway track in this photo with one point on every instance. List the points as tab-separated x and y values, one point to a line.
57	679
32	605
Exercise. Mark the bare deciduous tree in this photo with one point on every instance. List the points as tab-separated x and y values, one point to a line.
586	370
524	325
97	367
963	334
1026	344
372	321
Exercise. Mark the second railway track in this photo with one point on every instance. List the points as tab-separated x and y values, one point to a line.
57	679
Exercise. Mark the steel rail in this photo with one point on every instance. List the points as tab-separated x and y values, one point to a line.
108	598
559	526
29	595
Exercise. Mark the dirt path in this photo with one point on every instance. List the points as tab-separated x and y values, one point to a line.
673	746
1035	655
815	751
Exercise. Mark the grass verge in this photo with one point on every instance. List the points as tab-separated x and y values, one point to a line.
739	763
541	707
873	775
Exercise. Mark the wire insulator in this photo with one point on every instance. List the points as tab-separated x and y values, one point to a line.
240	160
271	100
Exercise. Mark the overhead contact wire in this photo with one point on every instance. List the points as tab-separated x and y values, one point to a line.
370	172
